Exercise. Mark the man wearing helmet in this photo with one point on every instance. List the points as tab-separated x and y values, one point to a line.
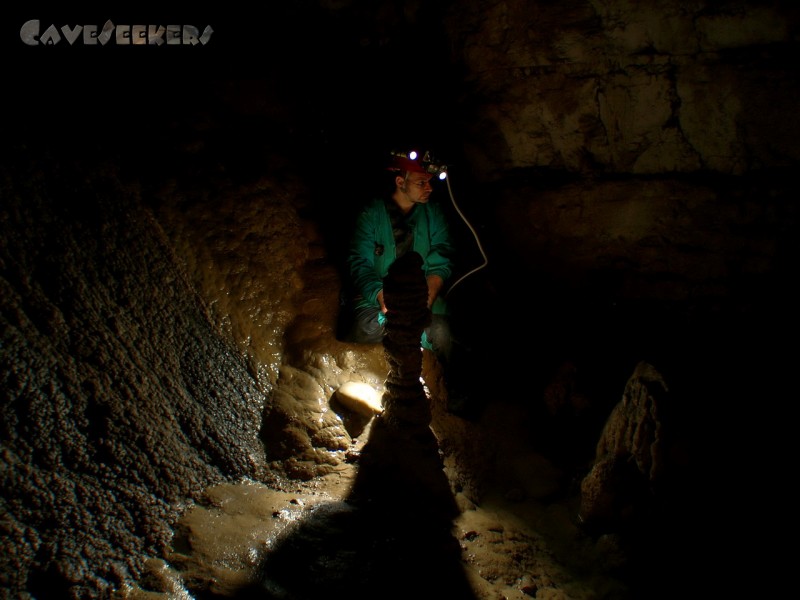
385	230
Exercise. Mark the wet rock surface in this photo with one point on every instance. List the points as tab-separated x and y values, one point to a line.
120	401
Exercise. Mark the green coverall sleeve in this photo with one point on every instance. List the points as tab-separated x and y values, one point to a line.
362	255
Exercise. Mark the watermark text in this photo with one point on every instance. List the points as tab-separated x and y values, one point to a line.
32	34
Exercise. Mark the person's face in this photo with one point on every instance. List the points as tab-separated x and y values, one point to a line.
417	187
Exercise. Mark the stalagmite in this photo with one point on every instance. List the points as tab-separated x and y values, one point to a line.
401	461
405	292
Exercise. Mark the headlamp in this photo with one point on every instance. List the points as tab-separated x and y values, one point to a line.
411	161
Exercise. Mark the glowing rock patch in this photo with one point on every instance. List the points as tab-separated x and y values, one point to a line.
360	397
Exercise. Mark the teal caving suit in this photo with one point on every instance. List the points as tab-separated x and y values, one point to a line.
383	234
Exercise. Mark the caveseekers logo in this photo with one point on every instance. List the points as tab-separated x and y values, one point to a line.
122	35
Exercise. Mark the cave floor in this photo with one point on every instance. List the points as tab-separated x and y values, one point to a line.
328	538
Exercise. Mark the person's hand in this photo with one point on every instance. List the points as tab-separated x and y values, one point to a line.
435	284
381	302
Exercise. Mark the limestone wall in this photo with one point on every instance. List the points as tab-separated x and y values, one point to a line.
632	151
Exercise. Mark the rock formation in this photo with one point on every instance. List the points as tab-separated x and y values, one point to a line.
402	451
630	456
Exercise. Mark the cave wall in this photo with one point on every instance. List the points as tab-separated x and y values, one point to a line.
122	399
633	151
628	87
158	322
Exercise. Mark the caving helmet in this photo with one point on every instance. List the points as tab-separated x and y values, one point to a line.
414	162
